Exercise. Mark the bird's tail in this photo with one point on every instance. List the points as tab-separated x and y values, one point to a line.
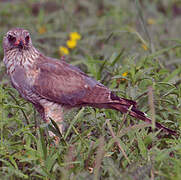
134	112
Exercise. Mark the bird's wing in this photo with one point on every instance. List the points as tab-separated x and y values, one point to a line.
60	82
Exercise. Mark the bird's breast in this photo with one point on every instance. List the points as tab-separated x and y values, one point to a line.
31	75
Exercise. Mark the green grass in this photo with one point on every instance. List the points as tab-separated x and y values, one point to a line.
98	144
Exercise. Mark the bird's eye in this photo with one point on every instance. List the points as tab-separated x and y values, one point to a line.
11	38
27	38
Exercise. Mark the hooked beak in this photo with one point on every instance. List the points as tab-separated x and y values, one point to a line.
20	44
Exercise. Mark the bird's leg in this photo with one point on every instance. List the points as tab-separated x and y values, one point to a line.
53	111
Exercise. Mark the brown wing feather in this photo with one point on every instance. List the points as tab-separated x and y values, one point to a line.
62	83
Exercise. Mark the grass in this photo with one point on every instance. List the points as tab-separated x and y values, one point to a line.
117	37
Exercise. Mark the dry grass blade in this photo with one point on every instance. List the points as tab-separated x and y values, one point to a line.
131	128
69	158
99	157
151	104
117	141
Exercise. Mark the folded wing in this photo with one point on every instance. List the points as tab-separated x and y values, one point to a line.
62	83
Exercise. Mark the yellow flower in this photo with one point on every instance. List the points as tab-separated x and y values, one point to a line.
42	30
125	74
75	36
151	21
63	50
144	46
121	80
71	43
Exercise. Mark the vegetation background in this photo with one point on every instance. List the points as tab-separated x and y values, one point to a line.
131	46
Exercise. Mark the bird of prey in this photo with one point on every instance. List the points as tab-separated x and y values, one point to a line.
51	84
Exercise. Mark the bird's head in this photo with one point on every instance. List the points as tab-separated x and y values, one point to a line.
17	38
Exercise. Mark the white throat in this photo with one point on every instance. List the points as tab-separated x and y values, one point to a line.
24	58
